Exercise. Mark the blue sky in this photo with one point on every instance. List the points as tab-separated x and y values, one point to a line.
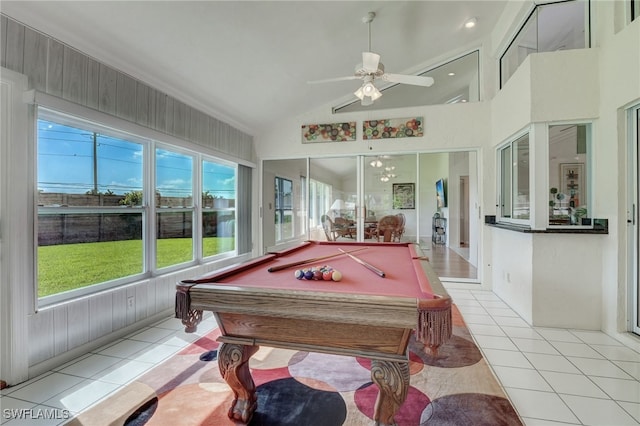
66	164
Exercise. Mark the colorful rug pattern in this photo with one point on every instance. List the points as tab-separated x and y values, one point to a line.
301	388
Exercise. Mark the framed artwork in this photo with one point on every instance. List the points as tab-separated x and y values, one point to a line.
572	183
389	128
336	132
404	196
441	200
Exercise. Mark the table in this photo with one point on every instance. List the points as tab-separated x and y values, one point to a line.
362	315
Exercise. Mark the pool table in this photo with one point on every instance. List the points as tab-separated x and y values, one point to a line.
261	302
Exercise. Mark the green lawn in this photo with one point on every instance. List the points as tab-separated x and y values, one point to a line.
69	266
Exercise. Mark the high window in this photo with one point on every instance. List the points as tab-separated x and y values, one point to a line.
96	189
550	27
458	82
514	196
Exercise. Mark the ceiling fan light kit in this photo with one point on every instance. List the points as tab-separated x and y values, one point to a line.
371	69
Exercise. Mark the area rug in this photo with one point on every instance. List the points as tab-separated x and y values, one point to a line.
300	388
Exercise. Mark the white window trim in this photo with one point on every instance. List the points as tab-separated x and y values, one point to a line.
499	148
150	139
588	174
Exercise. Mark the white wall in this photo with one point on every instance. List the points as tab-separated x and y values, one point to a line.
567	277
619	68
512	270
444	130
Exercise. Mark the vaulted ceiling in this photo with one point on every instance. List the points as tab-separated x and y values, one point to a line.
248	62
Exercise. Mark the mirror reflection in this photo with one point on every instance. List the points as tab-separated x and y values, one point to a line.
429	198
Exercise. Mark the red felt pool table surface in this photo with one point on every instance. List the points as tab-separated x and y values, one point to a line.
401	264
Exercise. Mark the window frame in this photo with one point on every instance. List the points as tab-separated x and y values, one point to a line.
200	210
588	172
278	208
195	234
50	114
533	12
73	115
509	144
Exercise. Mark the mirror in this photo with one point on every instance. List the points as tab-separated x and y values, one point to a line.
434	194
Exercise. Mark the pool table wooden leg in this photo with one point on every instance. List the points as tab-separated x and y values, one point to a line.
233	361
392	378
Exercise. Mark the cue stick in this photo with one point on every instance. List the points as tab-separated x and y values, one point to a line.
365	264
315	259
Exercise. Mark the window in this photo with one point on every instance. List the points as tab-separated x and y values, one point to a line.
283	209
95	189
85	176
550	27
219	207
174	202
514	180
458	81
568	172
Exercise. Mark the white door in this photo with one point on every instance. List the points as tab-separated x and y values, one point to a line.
634	226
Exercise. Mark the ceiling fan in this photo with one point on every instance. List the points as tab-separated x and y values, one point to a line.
371	69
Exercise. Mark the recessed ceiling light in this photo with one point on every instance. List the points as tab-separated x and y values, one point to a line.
451	74
471	23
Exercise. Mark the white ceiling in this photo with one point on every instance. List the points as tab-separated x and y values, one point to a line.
249	62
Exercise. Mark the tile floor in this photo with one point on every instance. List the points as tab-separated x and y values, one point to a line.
552	376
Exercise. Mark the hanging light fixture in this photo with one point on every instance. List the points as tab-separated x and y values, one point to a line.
368	92
376	163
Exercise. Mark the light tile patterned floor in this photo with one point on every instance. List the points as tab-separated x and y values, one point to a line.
552	376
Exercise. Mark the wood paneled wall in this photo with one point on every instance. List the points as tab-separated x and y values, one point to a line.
60	70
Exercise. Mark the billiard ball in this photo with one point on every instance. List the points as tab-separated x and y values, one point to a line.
336	276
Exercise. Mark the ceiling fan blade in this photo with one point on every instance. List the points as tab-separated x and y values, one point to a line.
370	61
416	80
329	80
